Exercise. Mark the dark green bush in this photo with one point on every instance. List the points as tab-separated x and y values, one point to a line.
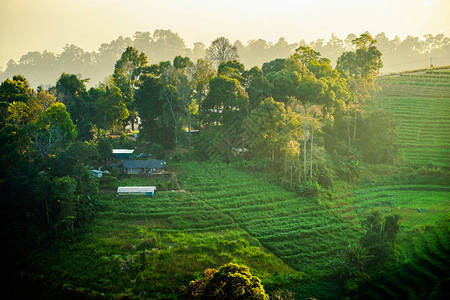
309	188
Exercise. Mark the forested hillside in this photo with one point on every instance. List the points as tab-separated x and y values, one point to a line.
327	182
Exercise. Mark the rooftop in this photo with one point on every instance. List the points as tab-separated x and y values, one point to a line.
123	151
136	189
149	163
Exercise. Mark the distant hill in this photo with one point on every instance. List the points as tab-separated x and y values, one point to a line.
44	68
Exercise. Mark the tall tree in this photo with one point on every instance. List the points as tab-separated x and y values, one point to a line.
71	91
201	74
360	66
17	89
221	50
166	45
52	132
257	86
110	109
364	62
225	101
126	76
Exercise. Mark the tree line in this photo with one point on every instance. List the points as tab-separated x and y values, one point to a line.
298	118
306	120
43	68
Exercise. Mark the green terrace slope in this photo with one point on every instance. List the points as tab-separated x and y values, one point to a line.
417	205
295	228
422	273
150	246
420	269
420	102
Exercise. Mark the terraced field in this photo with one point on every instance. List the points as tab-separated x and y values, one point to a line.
296	229
417	205
151	246
422	245
299	230
421	105
423	272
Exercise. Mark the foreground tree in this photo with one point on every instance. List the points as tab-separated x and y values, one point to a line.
231	281
201	74
196	288
379	237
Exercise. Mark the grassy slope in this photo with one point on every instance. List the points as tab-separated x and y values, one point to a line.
421	105
296	229
150	246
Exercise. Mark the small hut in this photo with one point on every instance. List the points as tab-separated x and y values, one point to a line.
122	153
97	173
136	190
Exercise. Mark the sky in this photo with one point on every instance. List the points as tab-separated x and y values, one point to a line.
37	25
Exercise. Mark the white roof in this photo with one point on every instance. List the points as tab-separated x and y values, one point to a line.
136	189
96	171
120	151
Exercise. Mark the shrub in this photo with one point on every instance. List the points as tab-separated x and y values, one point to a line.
309	188
108	182
351	263
379	237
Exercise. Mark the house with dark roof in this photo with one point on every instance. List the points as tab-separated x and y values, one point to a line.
142	166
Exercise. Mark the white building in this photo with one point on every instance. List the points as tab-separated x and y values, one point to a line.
136	190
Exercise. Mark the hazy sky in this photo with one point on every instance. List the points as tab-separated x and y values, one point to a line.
36	25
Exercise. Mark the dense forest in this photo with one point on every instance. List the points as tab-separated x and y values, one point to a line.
306	117
44	68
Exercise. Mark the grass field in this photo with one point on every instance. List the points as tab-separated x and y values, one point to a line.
148	247
422	269
419	207
421	105
151	246
295	228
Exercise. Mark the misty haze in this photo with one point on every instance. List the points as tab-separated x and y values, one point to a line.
244	150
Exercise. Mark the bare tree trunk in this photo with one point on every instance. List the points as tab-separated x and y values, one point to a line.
46	210
304	153
174	124
189	129
349	135
311	159
299	170
291	171
354	125
72	218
